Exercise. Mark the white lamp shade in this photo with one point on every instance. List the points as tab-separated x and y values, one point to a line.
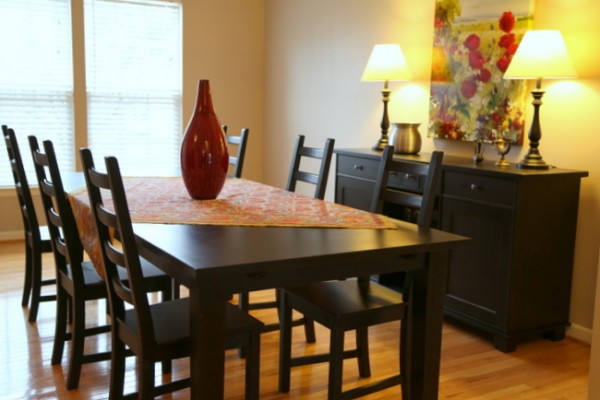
541	54
386	63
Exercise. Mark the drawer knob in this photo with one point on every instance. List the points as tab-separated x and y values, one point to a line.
474	186
358	167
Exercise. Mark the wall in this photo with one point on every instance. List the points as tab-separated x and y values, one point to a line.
224	42
313	87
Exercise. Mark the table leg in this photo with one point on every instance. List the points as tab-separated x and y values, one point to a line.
429	289
207	361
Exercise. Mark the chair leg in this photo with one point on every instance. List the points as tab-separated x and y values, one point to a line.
285	343
362	346
167	366
77	344
176	289
336	363
145	379
309	330
36	282
117	369
28	275
244	301
405	358
253	366
60	330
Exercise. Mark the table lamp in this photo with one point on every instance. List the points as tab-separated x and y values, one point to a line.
386	63
541	54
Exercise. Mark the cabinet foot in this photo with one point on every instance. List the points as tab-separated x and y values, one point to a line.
555	334
504	344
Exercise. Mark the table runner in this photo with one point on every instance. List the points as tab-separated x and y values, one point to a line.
164	200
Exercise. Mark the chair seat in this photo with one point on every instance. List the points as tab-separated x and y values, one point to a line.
358	303
171	321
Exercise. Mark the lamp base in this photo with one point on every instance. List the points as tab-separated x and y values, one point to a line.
532	162
381	143
533	158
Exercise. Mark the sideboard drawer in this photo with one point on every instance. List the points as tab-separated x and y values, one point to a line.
358	167
409	182
479	188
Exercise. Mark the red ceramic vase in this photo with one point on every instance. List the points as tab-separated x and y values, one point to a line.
204	156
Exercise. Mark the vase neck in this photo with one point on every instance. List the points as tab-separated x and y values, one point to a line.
204	97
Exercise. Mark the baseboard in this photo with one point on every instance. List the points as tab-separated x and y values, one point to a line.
580	333
11	235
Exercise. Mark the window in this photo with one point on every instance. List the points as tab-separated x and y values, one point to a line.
36	78
132	80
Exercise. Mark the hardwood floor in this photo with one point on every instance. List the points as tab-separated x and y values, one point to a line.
470	367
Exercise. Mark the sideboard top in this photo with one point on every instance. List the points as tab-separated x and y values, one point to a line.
451	162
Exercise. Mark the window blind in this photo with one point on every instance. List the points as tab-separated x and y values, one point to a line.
133	71
36	78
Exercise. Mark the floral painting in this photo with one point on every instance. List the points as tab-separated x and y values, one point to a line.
474	42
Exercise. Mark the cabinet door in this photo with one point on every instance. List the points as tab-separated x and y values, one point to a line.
478	275
353	192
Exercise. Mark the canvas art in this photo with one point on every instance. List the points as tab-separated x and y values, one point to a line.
474	42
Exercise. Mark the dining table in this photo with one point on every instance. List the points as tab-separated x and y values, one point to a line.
254	236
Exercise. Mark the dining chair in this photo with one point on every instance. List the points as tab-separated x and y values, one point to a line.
77	280
356	304
237	161
37	238
154	332
298	173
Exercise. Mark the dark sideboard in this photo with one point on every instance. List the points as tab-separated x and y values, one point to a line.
514	279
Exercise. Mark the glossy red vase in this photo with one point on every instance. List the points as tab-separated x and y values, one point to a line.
204	156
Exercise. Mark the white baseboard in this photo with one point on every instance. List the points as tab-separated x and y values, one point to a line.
581	333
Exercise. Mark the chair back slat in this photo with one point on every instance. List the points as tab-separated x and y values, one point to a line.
318	179
30	220
68	250
241	142
120	292
424	202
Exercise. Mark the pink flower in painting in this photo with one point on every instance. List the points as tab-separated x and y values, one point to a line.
472	42
468	88
506	40
503	63
507	21
485	75
476	59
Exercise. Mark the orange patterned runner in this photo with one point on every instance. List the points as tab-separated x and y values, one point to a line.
241	202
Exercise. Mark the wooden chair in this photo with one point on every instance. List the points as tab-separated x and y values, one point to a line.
37	239
77	280
296	175
240	141
356	304
158	332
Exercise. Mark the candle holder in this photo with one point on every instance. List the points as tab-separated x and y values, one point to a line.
502	146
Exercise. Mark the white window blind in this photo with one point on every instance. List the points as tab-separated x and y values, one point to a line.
133	71
36	78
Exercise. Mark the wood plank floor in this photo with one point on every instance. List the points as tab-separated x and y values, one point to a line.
470	367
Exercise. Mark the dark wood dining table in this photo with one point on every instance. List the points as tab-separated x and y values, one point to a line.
216	261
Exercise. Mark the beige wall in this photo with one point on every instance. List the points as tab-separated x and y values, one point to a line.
223	41
316	51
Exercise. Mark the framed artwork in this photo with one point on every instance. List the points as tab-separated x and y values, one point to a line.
474	42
